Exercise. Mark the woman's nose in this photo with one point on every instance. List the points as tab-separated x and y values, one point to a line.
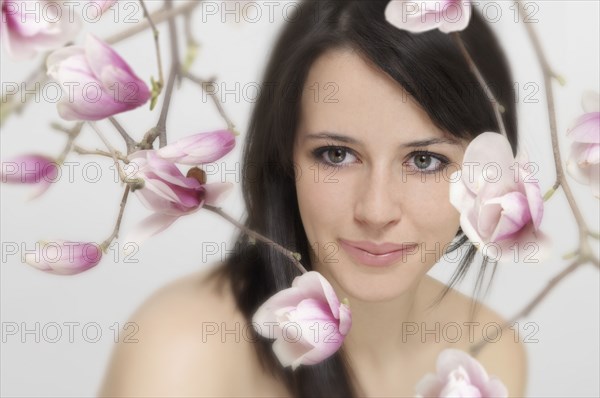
377	200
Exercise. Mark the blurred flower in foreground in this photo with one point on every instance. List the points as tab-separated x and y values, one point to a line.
295	311
64	257
420	16
103	4
96	81
500	203
199	148
584	160
30	169
29	27
459	375
168	192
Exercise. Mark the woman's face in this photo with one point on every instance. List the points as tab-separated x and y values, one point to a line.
371	168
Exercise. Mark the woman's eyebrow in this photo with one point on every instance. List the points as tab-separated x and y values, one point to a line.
412	144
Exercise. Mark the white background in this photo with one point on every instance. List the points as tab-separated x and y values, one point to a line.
564	361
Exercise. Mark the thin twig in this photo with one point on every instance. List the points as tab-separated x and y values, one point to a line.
585	251
158	17
161	126
175	57
72	135
498	108
203	83
131	144
155	34
552	283
10	106
294	257
113	154
115	232
82	151
191	44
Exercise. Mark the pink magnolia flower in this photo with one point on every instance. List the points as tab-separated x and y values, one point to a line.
168	193
64	257
307	321
423	15
584	160
29	27
96	81
500	203
199	148
30	169
459	375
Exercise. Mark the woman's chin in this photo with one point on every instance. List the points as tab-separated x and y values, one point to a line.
369	286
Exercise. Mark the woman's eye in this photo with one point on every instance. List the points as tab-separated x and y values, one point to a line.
426	162
333	155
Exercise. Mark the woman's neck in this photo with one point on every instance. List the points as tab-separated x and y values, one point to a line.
378	328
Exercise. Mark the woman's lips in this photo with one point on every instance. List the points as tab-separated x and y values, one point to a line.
383	256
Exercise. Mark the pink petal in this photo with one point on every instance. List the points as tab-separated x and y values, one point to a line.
215	193
456	21
345	319
316	286
148	227
458	384
124	88
478	168
40	189
310	310
266	312
461	197
528	246
29	169
585	175
430	385
535	200
467	224
63	257
514	216
422	16
199	148
450	359
586	128
74	55
100	55
105	4
586	154
490	213
318	354
573	168
594	178
289	353
26	39
590	101
494	388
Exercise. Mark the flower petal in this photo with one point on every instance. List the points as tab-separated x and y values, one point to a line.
148	227
590	101
199	148
586	128
215	193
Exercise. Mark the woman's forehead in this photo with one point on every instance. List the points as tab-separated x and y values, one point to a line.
344	93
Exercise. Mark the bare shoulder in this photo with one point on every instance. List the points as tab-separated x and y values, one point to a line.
503	355
178	350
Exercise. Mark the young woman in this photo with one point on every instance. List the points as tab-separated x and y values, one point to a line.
347	157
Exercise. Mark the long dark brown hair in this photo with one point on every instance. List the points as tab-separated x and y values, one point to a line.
429	66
